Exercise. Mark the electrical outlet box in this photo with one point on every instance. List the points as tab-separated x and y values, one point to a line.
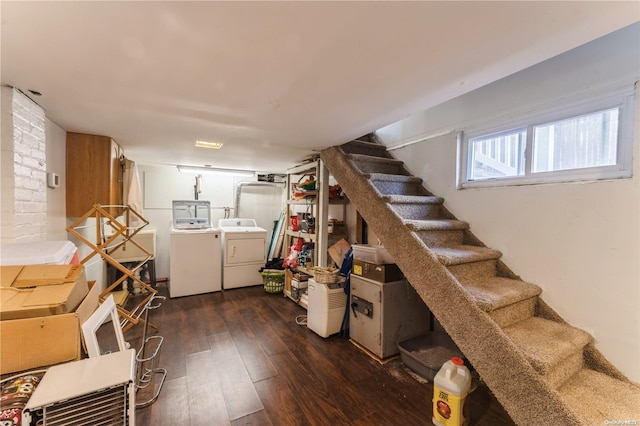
53	180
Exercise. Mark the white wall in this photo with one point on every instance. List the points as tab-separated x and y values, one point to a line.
56	197
580	242
7	189
163	184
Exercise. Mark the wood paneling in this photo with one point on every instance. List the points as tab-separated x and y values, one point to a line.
93	173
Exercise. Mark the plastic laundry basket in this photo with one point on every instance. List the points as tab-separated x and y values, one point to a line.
273	280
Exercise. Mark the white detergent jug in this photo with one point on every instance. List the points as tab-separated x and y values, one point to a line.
450	389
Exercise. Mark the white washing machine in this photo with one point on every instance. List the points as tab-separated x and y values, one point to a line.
194	262
195	259
244	252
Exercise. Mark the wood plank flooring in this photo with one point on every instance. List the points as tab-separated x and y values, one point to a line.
238	357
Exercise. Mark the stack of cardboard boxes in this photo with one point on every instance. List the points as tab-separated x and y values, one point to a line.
41	310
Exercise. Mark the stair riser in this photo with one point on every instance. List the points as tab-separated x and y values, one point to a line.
380	167
398	188
561	372
514	313
445	238
468	272
365	150
417	211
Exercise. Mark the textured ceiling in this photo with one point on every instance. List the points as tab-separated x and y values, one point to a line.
272	80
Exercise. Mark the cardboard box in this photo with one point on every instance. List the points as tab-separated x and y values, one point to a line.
382	273
338	250
51	339
37	290
288	276
301	276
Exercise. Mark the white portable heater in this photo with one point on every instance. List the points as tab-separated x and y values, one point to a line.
92	391
327	303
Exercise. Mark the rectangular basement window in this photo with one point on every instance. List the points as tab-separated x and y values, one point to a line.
590	140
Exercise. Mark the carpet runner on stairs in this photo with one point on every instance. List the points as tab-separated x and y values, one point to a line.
542	370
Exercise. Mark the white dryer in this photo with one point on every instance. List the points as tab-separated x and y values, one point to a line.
244	252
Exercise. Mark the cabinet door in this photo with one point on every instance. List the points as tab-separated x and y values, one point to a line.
238	251
366	316
94	175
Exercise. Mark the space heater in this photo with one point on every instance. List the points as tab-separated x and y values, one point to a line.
327	303
92	391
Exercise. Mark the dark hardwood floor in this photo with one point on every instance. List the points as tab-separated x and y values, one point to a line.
238	357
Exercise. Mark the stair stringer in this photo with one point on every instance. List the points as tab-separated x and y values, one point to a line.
520	389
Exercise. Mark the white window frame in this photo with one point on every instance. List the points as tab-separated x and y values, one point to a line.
622	99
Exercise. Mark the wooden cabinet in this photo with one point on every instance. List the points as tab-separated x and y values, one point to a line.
94	174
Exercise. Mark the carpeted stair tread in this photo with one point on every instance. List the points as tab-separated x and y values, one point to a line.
497	292
545	343
436	225
376	164
464	254
365	148
369	137
387	181
371	159
384	177
412	199
367	145
598	398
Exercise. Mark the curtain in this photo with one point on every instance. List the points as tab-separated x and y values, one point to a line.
132	190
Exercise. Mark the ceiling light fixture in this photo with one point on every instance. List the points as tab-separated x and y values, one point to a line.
215	170
206	144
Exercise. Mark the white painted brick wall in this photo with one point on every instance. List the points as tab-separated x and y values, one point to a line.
24	181
7	216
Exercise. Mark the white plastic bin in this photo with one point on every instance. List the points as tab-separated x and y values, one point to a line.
373	254
39	253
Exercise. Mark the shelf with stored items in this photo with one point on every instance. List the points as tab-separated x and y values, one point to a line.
308	232
307	212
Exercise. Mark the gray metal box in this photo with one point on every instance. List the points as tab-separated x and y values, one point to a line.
384	314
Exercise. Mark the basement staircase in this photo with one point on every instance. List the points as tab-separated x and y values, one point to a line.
542	370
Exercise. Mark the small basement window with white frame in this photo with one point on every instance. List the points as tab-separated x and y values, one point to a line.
590	140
